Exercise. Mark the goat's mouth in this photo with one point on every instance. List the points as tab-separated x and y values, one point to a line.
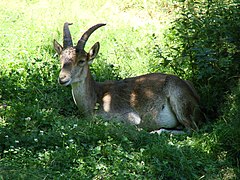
64	82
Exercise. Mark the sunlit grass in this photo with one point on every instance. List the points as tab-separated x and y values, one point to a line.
43	136
29	27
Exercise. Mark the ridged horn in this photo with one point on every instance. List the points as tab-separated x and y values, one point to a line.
81	43
67	39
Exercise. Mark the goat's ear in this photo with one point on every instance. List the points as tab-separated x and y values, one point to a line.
58	48
93	52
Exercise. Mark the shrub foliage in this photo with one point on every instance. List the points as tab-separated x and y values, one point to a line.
43	136
203	45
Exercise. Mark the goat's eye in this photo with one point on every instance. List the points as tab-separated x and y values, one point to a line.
81	62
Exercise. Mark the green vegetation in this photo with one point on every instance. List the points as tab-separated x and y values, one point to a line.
207	49
42	134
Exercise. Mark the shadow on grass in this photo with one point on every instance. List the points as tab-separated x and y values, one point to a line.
42	135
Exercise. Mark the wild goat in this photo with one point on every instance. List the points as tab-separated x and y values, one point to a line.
155	102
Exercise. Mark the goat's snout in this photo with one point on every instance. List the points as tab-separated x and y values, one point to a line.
64	80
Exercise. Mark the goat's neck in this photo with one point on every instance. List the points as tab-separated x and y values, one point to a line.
84	93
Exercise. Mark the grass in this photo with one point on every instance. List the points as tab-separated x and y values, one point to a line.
43	136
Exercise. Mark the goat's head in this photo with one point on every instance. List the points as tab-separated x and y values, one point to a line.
74	59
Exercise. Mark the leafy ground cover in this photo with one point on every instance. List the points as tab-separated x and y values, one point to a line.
42	134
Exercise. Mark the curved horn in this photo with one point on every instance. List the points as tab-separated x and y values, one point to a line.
67	39
81	43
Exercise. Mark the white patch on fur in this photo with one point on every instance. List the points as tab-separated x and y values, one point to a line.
160	131
167	118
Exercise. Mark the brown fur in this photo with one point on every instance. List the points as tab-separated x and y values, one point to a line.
151	101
